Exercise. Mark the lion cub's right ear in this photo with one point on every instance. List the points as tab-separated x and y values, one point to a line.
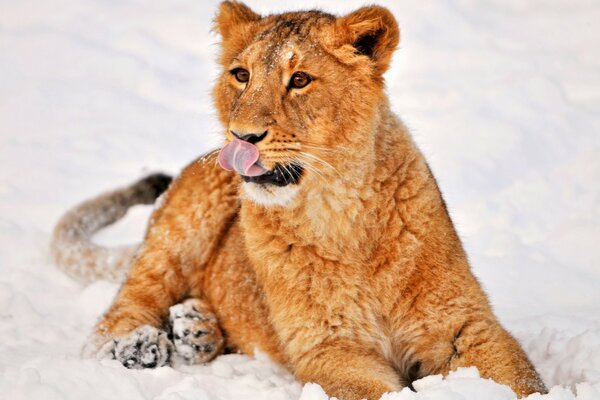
373	32
236	23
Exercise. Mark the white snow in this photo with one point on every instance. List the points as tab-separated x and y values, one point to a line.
503	97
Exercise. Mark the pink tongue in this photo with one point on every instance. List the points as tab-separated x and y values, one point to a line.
241	156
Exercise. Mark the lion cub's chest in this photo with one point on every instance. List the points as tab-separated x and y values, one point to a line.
313	297
342	284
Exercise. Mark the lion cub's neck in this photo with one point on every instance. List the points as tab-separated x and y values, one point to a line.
342	217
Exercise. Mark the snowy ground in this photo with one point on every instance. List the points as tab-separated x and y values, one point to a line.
503	97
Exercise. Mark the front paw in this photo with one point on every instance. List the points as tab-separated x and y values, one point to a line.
196	333
145	347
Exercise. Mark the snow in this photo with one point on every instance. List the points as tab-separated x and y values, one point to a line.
503	97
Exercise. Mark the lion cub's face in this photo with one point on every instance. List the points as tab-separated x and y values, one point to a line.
298	95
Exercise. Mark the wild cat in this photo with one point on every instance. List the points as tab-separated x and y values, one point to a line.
321	238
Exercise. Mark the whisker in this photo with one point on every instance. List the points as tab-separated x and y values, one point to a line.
311	167
318	148
307	160
320	160
305	164
288	161
282	160
287	170
208	156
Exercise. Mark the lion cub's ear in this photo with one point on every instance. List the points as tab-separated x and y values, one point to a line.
373	32
236	23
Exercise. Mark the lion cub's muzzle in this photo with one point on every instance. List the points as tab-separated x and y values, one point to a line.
242	156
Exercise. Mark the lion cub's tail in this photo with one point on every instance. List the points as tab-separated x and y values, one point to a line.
72	247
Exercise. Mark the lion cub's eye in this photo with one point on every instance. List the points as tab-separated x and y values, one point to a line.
241	75
299	80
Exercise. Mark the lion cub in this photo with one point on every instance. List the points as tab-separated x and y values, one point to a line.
321	238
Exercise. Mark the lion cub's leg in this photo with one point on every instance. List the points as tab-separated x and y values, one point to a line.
348	371
184	234
497	355
195	332
154	285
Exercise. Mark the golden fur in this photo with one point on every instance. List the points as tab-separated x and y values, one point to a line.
355	277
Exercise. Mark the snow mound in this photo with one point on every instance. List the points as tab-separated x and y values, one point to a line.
502	96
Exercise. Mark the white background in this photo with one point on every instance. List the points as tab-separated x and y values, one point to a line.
502	96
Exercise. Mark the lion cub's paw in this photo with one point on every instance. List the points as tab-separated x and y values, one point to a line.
145	347
196	333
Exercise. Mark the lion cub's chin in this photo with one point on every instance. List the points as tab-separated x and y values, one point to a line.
270	195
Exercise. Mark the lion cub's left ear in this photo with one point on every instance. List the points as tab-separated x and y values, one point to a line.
373	32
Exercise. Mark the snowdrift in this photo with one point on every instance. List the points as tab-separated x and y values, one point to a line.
502	96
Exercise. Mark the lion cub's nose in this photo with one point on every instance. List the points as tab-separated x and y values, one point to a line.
252	138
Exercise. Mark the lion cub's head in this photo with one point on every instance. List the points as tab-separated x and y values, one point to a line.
300	95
